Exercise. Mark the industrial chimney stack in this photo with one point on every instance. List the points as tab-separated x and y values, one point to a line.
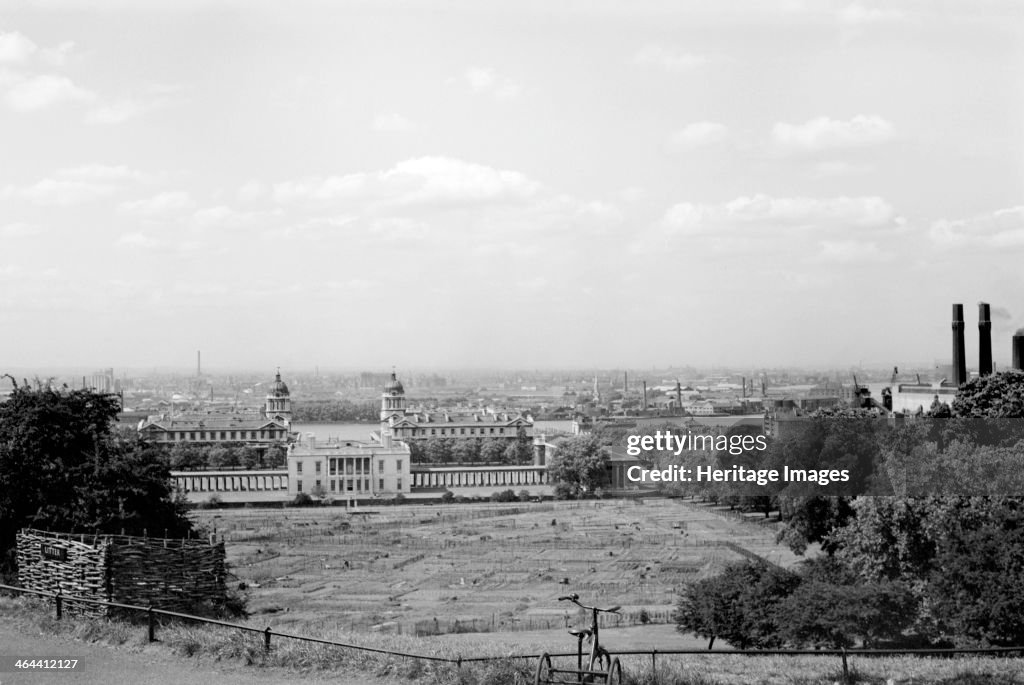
959	356
984	340
1018	350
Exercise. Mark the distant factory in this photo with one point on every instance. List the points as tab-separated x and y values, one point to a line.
919	396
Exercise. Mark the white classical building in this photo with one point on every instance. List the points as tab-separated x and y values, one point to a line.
264	427
348	469
398	422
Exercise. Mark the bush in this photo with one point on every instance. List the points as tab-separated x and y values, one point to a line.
503	496
302	500
212	502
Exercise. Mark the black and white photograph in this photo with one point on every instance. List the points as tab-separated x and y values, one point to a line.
512	342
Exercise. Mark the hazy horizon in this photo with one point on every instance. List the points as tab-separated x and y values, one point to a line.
436	185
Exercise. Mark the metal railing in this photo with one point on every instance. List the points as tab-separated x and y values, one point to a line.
152	613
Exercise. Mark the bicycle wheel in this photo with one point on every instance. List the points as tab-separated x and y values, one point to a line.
543	670
614	673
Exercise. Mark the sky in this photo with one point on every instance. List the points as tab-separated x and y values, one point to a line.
359	184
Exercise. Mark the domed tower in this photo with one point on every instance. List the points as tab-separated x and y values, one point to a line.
392	408
392	402
279	401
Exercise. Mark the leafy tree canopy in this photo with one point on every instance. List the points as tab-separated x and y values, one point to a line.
63	468
581	462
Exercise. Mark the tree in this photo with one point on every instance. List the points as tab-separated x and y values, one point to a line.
823	614
62	468
738	605
492	451
581	462
276	456
998	395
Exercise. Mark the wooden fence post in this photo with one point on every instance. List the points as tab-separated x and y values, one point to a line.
152	623
654	666
60	607
846	669
266	639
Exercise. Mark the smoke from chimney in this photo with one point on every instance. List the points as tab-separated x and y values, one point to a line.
984	340
959	355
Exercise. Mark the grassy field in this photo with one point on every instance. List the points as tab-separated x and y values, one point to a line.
486	568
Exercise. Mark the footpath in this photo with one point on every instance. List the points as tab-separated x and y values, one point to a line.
103	665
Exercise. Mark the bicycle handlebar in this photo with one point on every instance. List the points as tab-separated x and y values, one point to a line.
575	599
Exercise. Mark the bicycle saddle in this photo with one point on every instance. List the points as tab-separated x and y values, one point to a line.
585	632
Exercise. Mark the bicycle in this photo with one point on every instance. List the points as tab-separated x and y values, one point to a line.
601	667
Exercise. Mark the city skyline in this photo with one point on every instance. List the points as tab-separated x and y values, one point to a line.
497	185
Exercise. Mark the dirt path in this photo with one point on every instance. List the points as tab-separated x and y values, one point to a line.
102	665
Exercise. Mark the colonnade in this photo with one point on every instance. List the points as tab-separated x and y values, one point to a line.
230	482
480	476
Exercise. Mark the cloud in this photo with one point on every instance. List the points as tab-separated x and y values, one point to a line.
668	58
15	48
858	15
115	112
153	97
102	172
391	123
33	93
251	191
1003	228
223	216
145	241
779	212
852	252
76	185
19	229
699	134
162	203
487	81
824	133
832	168
419	181
59	192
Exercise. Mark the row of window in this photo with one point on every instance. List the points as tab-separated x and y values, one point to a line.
451	431
351	466
191	436
349	485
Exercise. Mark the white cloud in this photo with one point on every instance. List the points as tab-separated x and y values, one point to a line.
857	14
141	240
145	241
32	93
161	203
1003	228
763	212
102	172
19	229
424	180
669	58
391	123
852	252
152	97
699	134
59	192
251	191
223	216
824	133
484	80
115	112
76	185
832	168
15	48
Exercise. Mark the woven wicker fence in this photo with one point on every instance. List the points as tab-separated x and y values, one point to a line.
176	575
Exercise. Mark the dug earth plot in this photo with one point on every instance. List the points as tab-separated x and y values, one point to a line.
472	569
